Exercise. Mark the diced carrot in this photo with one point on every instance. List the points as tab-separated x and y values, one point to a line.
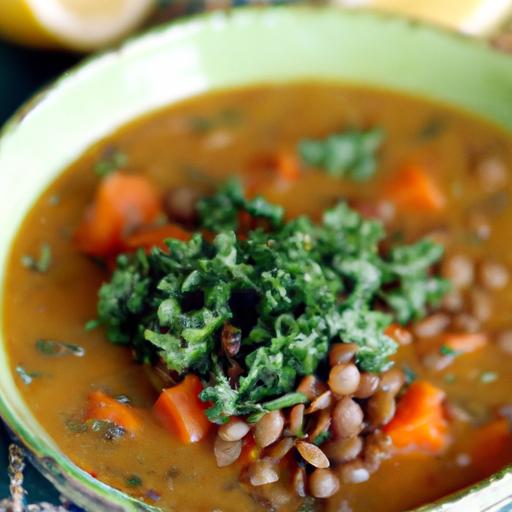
419	423
122	204
464	343
399	334
492	446
155	237
250	451
413	189
181	411
102	407
288	167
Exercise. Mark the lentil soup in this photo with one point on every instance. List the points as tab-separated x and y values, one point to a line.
344	343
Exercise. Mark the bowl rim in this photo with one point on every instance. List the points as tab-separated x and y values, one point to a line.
74	482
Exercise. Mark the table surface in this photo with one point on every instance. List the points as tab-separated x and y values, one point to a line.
22	72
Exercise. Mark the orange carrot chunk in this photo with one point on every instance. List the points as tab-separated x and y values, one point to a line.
399	334
155	237
464	343
102	407
419	424
492	446
412	188
122	204
250	451
181	411
288	167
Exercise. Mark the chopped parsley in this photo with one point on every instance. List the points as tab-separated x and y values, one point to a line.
49	347
133	481
225	118
445	350
350	154
40	264
409	374
111	160
322	438
90	325
291	287
26	376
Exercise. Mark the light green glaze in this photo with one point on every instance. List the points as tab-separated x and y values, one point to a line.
220	51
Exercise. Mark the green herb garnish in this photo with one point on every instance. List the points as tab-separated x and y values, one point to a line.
224	118
409	374
76	426
322	438
445	350
350	154
309	504
433	128
111	160
291	287
58	348
133	481
90	325
42	263
26	376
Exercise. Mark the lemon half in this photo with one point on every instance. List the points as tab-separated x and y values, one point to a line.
476	17
75	24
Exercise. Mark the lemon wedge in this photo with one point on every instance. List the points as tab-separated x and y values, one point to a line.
81	25
475	17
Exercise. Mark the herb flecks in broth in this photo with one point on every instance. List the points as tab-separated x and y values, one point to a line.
40	264
111	160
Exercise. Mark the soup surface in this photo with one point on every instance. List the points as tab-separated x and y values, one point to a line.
437	174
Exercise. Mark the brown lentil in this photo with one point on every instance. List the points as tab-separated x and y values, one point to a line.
459	269
504	342
480	304
180	204
312	454
377	448
347	418
226	452
381	408
323	483
466	322
492	173
344	379
262	472
269	428
234	430
342	353
343	450
432	325
323	423
296	420
453	301
299	481
493	276
311	386
354	472
281	449
392	381
368	385
321	402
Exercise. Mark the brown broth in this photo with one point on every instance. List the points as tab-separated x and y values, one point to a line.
247	124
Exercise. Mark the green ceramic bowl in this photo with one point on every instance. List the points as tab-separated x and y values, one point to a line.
218	51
